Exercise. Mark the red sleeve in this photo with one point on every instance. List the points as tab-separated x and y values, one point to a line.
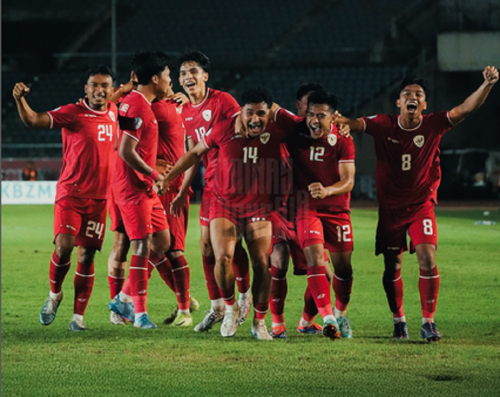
229	105
218	133
286	119
376	124
346	150
63	117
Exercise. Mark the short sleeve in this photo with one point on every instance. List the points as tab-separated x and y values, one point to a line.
63	117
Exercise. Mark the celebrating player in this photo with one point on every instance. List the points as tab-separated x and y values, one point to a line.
244	188
88	133
407	176
133	178
324	176
208	107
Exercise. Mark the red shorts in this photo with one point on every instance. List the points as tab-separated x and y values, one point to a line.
284	232
83	218
143	218
333	230
418	220
206	203
239	216
178	224
115	216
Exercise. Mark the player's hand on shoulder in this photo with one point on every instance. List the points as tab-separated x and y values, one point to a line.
317	190
179	97
343	129
20	90
239	126
490	74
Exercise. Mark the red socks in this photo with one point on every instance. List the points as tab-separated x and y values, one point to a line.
208	269
83	283
279	289
393	286
240	267
320	289
342	288
181	275
428	285
57	273
138	276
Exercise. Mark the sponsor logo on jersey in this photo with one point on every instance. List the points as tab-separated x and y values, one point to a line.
264	138
419	141
178	109
332	139
188	119
207	115
392	140
70	227
112	116
89	115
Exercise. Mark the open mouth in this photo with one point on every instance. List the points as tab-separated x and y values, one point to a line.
411	106
254	127
314	129
190	84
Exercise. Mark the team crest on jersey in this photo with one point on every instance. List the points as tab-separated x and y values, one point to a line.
112	116
332	139
264	138
207	114
419	140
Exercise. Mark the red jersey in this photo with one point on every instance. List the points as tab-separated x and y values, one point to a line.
128	184
171	137
316	160
407	170
247	173
199	120
88	138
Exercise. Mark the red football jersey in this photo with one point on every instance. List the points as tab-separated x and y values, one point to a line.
128	184
171	136
316	160
248	169
199	120
88	142
407	170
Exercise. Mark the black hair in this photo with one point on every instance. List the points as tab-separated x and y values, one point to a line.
100	69
195	56
148	64
410	80
323	97
305	89
257	94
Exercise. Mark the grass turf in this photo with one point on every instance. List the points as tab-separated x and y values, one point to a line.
123	361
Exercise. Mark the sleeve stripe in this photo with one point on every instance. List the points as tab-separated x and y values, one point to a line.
364	125
346	161
205	142
131	136
51	125
449	119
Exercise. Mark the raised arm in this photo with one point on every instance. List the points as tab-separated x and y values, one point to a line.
477	98
28	116
345	185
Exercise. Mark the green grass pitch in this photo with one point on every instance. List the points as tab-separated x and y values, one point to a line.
122	361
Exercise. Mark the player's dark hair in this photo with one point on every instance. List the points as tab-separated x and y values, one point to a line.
100	69
305	89
195	56
148	64
410	80
322	97
257	94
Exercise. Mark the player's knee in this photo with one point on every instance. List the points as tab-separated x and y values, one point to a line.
206	248
224	261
